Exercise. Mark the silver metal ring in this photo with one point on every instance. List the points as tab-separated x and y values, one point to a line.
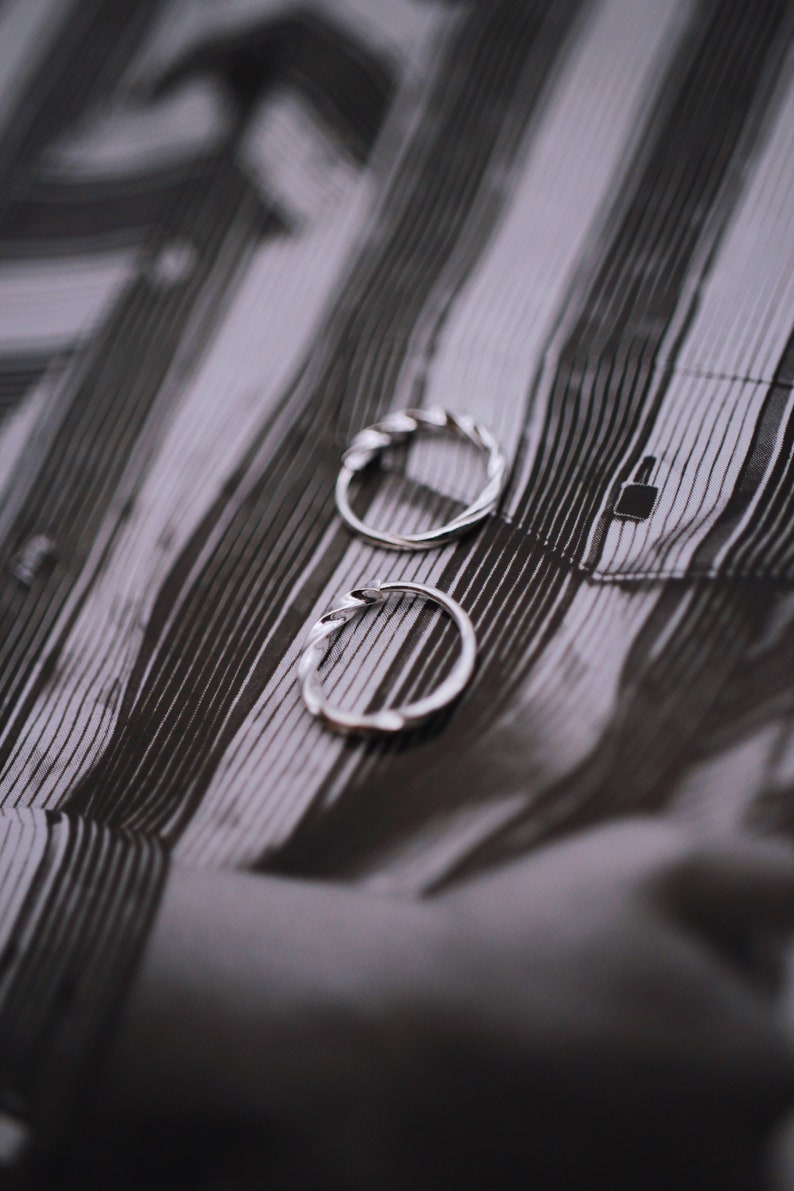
392	720
370	442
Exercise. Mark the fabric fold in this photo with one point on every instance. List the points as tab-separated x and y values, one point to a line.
77	900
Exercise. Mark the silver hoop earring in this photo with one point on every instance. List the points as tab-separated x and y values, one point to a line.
369	443
387	720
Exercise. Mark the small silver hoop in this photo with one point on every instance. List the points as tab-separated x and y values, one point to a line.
392	720
370	442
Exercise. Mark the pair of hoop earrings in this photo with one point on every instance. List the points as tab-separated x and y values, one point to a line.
364	450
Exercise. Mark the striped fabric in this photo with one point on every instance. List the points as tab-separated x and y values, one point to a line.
233	235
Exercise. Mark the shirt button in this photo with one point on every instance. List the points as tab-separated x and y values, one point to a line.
32	557
174	264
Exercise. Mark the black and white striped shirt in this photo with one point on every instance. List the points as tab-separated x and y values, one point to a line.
230	237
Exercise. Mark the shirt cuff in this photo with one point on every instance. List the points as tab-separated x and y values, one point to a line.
77	900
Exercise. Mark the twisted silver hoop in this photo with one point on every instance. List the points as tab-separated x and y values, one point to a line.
370	442
391	720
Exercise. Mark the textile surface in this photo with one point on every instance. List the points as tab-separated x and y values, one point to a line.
233	235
